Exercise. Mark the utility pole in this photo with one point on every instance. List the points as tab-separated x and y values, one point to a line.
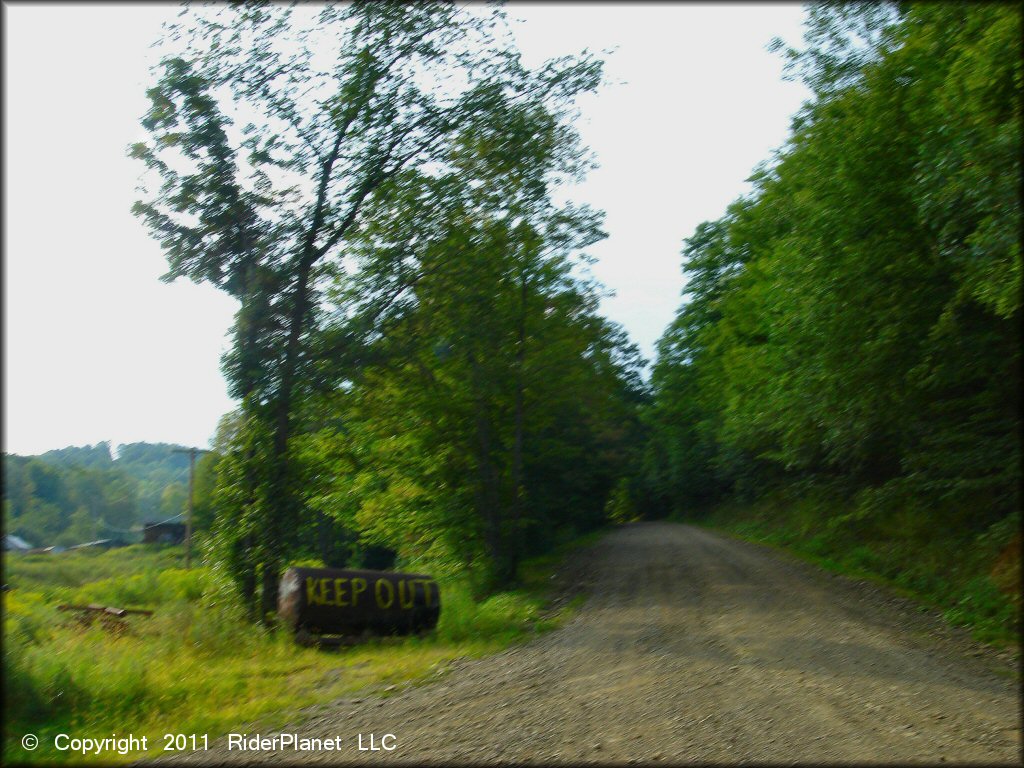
192	452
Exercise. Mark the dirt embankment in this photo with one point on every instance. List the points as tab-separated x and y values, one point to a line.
696	647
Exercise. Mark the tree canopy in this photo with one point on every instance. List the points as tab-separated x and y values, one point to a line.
422	370
855	319
385	200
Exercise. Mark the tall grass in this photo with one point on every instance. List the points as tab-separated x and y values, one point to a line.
73	569
501	619
196	665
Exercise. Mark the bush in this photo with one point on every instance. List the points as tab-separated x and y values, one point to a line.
503	616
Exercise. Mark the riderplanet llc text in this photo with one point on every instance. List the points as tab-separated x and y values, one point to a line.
293	742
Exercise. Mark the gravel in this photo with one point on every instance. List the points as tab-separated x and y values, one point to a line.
694	647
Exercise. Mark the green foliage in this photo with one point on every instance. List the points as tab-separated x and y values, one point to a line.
205	484
620	507
831	327
59	502
854	324
87	456
504	617
154	466
193	662
500	408
416	367
988	611
78	494
174	500
81	528
44	573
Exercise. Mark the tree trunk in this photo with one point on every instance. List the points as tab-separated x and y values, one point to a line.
246	335
280	497
268	597
516	512
488	496
280	500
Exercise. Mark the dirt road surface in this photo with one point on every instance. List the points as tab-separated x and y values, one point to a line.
694	647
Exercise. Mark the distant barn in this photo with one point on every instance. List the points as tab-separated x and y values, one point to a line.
163	533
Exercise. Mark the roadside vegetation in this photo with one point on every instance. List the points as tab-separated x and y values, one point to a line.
843	377
198	665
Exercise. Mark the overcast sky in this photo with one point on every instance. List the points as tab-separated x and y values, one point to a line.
96	348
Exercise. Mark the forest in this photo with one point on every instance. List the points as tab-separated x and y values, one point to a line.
419	360
424	376
844	373
75	495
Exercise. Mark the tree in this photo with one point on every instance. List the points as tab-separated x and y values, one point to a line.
205	484
496	419
855	322
81	528
80	488
97	456
339	102
493	412
173	500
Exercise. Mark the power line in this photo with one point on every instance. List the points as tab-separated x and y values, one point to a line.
169	519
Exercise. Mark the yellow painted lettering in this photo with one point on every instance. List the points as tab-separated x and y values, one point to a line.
339	592
428	592
381	586
403	588
325	598
312	598
358	585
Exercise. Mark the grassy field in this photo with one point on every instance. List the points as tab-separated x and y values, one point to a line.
974	579
196	666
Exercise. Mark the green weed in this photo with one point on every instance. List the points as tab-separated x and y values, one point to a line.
196	665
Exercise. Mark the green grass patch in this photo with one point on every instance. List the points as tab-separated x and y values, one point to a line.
196	666
43	573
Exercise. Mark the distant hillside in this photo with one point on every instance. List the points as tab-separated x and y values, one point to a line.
154	465
87	456
153	461
80	493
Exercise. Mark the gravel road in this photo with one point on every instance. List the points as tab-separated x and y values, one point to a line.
694	647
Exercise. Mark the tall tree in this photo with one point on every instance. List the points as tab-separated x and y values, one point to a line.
338	101
856	320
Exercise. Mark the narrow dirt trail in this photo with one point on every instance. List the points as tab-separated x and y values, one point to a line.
697	648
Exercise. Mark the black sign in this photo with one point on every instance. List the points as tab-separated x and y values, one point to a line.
333	601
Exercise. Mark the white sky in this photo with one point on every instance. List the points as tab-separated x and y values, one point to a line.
96	348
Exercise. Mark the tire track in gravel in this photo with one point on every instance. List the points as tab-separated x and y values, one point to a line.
694	647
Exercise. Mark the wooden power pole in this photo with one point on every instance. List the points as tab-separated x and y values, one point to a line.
192	452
